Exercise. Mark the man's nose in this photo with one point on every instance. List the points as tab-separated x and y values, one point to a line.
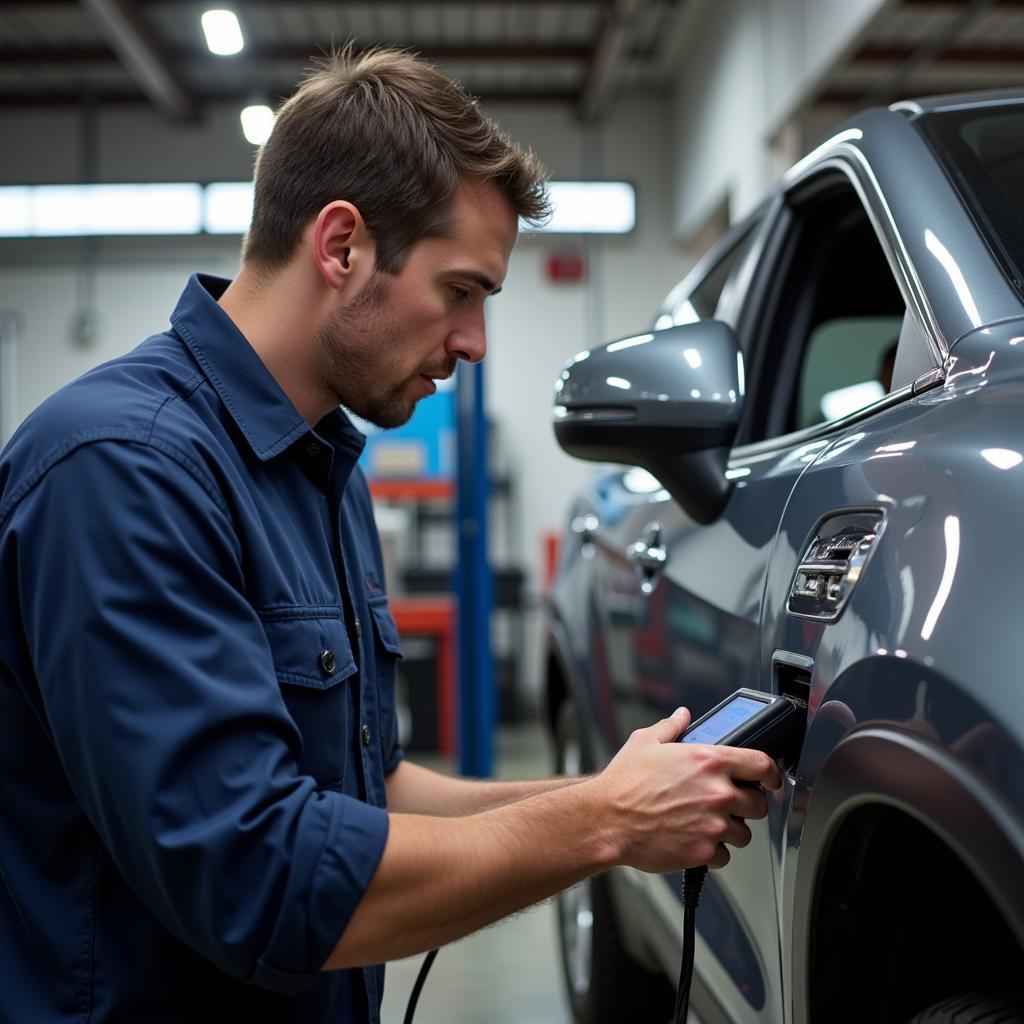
468	341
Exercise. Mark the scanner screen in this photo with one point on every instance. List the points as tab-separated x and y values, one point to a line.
720	724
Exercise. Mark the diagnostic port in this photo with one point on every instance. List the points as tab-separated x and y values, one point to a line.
792	674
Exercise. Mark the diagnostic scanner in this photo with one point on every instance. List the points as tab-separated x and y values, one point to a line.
749	718
746	718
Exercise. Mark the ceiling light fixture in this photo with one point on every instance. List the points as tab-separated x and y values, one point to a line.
257	122
222	31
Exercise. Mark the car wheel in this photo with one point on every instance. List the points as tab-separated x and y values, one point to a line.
605	985
975	1008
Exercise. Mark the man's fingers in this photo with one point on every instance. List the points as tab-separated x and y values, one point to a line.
752	766
738	834
720	859
670	729
749	802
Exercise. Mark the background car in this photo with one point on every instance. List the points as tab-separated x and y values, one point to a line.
825	435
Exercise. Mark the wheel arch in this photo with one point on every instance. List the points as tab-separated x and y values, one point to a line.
891	816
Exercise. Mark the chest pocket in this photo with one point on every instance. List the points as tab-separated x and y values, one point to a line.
312	661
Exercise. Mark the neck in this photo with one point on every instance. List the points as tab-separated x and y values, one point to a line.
278	314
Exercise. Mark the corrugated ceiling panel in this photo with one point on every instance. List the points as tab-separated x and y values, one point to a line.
329	25
47	27
424	24
488	23
456	24
176	28
912	26
996	27
934	79
46	78
387	22
583	23
520	23
550	23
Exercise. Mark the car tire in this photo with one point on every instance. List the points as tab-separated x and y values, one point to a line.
604	984
975	1008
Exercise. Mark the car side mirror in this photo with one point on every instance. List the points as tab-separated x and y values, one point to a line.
669	401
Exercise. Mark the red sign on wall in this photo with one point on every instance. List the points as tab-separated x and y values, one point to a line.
565	267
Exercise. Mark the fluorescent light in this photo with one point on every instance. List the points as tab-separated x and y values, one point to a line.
589	207
257	122
67	210
228	207
222	31
15	211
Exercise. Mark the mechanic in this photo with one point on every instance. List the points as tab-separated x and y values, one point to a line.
204	809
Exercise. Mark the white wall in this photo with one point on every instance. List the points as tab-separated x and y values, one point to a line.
134	301
745	69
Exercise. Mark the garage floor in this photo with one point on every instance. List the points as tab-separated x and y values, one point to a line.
510	972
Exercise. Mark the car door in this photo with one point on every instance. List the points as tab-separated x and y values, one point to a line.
821	350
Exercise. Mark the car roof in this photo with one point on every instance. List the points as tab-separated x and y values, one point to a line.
959	101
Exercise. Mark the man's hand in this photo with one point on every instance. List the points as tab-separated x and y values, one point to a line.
659	806
673	805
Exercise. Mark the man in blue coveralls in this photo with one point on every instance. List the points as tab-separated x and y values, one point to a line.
204	809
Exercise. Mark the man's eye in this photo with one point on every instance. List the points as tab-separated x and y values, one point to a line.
459	294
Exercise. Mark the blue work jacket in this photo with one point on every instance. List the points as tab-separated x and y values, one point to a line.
197	709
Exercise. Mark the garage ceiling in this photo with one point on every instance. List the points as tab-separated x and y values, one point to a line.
576	52
567	51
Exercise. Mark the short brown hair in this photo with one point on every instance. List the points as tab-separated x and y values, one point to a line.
395	137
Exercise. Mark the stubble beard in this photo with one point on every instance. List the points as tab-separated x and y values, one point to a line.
355	343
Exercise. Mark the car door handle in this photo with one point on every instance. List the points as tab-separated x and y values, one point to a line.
584	527
649	555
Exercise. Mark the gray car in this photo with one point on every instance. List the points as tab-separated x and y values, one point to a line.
824	430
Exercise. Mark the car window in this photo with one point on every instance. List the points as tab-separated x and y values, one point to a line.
689	302
848	364
982	151
826	343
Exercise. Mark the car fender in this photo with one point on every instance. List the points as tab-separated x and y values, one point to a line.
887	765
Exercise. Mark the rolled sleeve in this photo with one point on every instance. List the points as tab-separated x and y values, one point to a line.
353	845
159	690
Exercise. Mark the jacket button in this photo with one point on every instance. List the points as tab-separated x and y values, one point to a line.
313	450
359	628
328	662
366	735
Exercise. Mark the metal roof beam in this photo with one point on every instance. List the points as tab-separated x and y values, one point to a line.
102	56
73	98
136	46
926	52
960	55
609	55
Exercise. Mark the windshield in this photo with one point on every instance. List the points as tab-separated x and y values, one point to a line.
983	152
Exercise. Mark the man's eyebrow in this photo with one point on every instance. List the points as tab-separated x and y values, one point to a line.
485	282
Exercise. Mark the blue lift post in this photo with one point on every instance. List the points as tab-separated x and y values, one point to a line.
474	582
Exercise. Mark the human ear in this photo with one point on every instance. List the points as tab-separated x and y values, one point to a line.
343	248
